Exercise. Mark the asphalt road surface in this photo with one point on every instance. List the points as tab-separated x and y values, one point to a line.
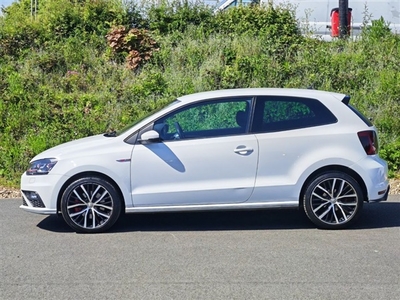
274	254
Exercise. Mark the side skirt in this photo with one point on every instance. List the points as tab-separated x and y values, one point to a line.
237	206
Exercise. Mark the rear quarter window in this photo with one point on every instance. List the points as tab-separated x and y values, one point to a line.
288	113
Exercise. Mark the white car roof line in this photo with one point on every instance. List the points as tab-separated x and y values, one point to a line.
258	92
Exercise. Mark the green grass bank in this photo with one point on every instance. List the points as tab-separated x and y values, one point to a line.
82	67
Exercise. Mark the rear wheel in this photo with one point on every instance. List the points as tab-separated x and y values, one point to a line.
333	200
90	204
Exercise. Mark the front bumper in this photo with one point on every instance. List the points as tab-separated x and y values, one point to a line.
39	210
40	193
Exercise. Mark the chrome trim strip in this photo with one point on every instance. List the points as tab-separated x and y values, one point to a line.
238	206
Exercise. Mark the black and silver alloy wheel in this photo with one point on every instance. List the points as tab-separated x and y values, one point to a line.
90	204
333	200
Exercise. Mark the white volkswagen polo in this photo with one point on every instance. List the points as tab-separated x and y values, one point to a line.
219	150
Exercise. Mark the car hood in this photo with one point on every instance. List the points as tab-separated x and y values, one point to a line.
83	145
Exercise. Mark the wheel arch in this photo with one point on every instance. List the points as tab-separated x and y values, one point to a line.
88	174
331	168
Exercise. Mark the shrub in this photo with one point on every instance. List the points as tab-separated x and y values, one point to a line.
136	44
166	16
391	153
273	23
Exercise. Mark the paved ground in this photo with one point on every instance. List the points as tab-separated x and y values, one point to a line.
221	255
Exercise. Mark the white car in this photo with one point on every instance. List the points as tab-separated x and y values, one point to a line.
219	150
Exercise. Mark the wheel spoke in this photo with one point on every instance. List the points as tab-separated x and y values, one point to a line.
346	204
320	197
101	197
101	214
79	197
85	192
85	218
76	205
319	207
333	187
95	192
343	213
325	191
103	206
346	196
78	213
94	218
341	189
321	216
334	214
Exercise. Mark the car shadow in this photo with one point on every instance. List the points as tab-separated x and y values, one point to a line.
374	215
379	215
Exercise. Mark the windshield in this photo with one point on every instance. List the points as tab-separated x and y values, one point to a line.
126	128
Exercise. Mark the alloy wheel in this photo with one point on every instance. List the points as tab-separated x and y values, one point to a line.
90	205
334	201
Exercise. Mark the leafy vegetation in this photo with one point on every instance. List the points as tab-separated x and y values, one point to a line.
81	67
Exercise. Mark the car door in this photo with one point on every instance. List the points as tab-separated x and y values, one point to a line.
204	156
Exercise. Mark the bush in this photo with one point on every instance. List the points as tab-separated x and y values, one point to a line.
391	153
274	23
166	16
137	45
55	21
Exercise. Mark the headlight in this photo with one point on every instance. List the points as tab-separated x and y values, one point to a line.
41	166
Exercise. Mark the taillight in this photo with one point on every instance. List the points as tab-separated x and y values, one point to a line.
369	141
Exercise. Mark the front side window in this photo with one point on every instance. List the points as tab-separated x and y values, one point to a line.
288	113
206	119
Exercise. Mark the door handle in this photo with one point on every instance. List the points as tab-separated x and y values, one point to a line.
243	150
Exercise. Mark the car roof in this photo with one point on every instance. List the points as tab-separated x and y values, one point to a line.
308	93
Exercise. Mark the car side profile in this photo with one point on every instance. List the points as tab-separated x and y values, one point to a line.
220	150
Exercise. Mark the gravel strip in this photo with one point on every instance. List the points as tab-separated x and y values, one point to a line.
394	187
9	193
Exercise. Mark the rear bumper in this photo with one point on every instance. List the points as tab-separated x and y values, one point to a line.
383	198
374	172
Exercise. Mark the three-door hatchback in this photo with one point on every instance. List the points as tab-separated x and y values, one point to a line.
220	150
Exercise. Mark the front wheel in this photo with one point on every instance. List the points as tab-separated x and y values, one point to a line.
333	200
90	204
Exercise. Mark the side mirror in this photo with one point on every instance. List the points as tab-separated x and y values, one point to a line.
149	136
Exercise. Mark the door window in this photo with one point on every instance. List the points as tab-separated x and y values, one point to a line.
206	119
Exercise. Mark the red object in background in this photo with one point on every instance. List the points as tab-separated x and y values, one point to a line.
335	32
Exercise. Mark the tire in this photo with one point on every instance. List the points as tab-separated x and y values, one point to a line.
333	200
91	205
